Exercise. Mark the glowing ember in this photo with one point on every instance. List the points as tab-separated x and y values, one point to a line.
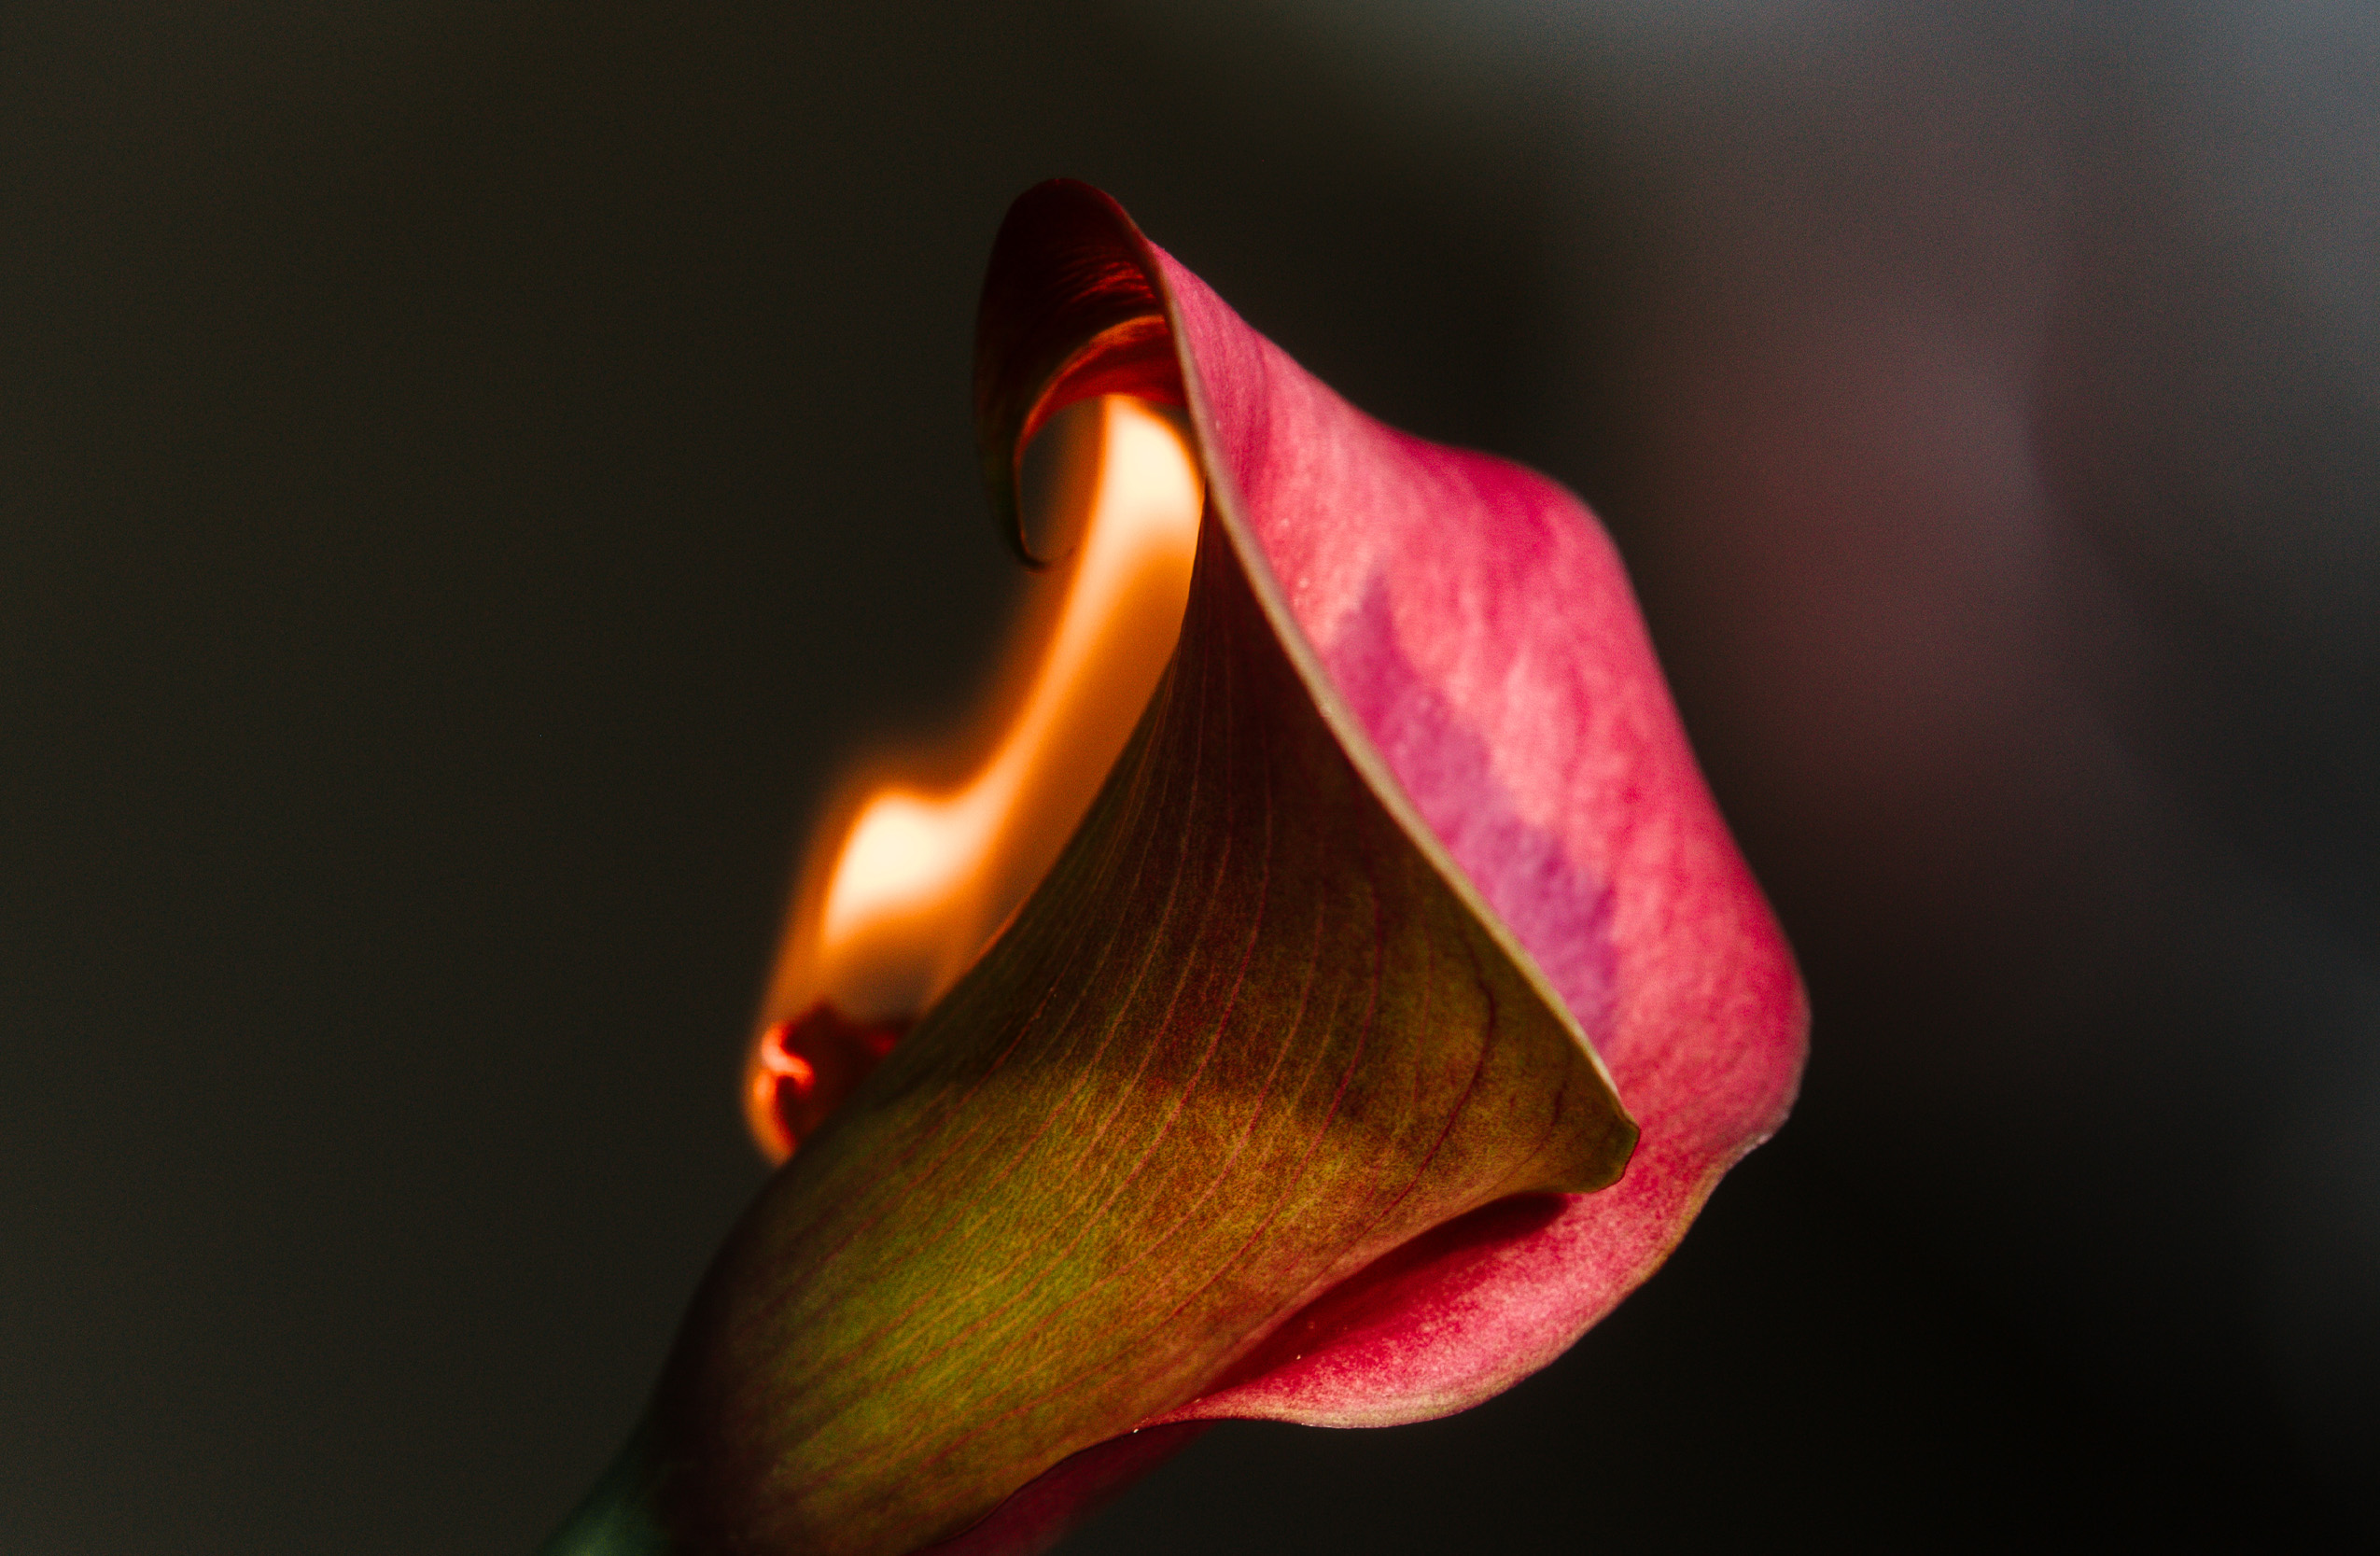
922	878
806	1067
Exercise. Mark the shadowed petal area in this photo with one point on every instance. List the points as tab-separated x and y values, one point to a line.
1247	1038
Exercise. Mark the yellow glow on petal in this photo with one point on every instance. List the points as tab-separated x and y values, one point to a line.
923	877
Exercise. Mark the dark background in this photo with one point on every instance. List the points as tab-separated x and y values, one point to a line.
469	474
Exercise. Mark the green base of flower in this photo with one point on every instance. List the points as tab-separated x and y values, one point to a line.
617	1518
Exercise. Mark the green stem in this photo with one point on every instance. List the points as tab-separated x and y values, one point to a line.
617	1518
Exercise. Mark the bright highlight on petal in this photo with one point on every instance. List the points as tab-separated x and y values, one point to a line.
923	878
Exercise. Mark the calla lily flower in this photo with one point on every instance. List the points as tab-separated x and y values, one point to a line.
1391	1009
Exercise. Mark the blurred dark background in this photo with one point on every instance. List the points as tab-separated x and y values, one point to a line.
467	473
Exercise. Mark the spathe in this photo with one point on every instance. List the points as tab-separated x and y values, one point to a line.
1281	1097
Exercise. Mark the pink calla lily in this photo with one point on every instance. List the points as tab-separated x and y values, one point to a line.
1445	854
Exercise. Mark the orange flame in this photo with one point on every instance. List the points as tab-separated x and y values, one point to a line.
923	877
